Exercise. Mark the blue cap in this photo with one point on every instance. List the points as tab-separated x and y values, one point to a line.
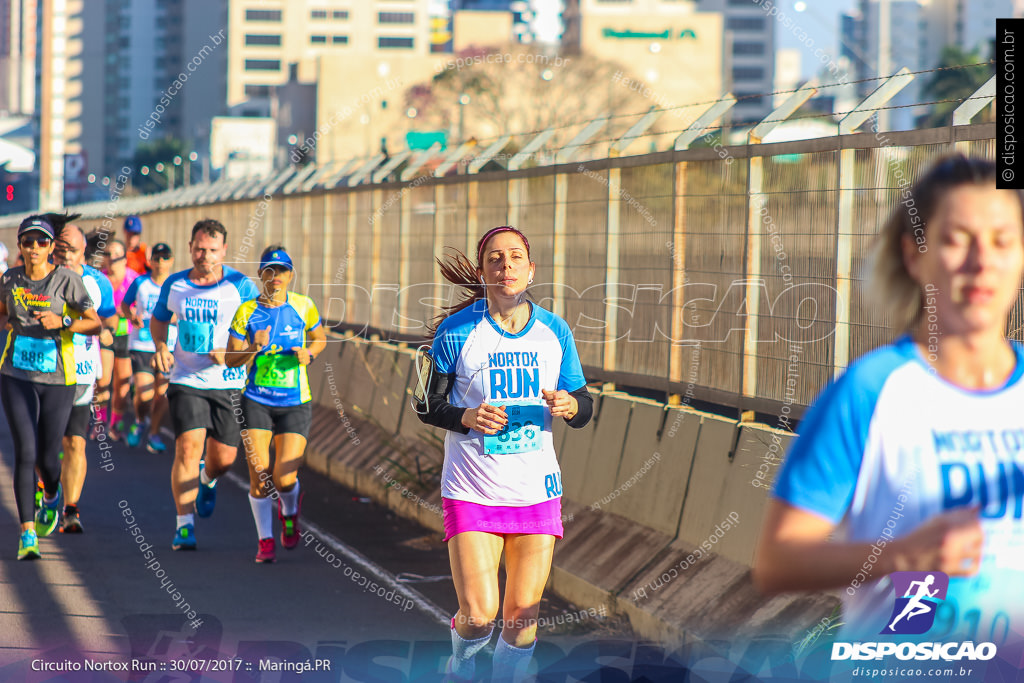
133	224
278	257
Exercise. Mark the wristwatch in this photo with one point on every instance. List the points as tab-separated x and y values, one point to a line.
67	321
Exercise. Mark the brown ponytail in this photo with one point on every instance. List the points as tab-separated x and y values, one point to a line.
457	269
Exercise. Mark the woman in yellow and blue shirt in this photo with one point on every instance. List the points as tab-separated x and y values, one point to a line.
279	334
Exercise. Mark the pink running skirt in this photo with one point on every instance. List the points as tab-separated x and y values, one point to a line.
542	518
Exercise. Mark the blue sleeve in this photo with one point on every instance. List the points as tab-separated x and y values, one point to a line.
133	288
160	311
447	346
106	308
821	469
570	375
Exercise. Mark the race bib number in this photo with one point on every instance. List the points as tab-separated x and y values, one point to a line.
144	334
195	337
35	355
523	432
277	371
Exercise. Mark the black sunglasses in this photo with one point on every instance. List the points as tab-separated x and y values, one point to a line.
37	241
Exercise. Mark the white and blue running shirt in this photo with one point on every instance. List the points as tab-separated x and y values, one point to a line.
204	317
144	293
516	467
87	347
890	445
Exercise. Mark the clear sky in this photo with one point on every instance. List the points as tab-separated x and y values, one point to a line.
819	19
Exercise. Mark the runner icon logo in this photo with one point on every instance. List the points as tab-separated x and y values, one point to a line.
917	596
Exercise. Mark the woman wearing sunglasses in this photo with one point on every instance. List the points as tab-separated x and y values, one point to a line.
45	306
280	334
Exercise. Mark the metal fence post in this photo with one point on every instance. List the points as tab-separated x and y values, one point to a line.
752	256
683	141
844	216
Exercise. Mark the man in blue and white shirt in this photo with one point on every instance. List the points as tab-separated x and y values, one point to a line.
202	388
70	251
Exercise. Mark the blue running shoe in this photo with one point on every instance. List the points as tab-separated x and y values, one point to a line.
133	436
207	497
28	546
185	538
154	444
48	515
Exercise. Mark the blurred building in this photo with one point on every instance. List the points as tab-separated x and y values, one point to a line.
788	70
65	74
242	146
360	60
533	21
17	56
263	42
481	28
748	62
113	75
676	50
883	36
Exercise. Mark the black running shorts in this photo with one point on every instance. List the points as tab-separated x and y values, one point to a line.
78	423
209	409
279	420
119	346
142	361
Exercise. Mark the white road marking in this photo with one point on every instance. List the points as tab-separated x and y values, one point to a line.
383	576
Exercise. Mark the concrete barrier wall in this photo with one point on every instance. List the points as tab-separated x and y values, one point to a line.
649	491
605	452
655	469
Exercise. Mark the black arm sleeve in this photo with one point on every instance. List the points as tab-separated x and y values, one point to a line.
441	413
586	407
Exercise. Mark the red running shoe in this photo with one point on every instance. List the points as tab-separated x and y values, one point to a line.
290	532
266	551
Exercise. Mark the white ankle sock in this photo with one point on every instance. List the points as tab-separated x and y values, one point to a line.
509	663
290	500
464	651
263	514
205	479
186	519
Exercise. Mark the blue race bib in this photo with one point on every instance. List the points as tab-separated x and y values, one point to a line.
35	355
144	334
523	432
195	337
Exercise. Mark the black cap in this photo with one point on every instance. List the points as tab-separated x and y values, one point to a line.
37	223
161	250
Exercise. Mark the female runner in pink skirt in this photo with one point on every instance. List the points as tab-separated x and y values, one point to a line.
501	369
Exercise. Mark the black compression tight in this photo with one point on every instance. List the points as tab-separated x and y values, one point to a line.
37	415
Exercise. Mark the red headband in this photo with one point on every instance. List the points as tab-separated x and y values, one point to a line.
494	231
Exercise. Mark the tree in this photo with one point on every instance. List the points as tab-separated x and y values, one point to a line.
960	74
149	154
513	89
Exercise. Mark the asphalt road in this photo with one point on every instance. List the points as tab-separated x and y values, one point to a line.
365	597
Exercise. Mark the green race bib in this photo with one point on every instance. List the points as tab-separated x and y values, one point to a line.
277	371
